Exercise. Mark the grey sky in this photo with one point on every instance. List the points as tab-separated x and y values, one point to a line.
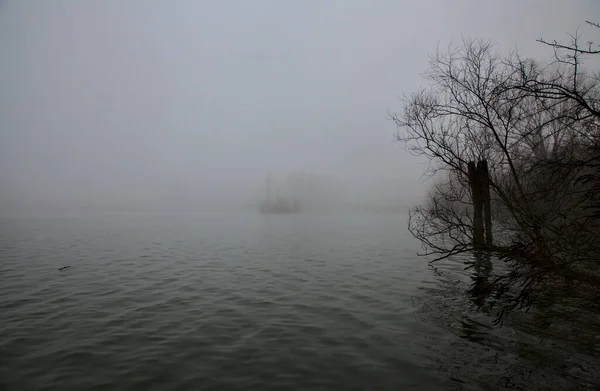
119	103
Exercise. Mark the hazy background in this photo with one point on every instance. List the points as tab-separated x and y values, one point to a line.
185	105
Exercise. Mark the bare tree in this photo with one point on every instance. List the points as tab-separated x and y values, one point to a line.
570	81
532	125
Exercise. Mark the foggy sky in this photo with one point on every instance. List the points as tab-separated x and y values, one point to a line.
119	104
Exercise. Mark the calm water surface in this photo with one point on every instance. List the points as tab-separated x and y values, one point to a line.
240	301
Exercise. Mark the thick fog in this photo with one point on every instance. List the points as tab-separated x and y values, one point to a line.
188	105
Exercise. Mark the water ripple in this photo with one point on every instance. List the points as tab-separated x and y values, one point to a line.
203	303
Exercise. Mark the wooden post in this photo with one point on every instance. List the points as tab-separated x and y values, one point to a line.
484	176
475	182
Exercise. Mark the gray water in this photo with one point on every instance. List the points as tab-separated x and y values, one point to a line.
242	301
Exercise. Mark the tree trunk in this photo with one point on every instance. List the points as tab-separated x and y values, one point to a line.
484	176
478	237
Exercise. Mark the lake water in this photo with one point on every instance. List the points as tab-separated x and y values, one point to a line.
243	301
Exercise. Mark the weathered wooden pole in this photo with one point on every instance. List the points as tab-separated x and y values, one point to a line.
484	177
476	193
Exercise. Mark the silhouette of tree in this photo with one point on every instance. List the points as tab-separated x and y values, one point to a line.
538	129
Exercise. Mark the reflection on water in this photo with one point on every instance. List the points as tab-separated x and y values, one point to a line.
202	302
473	331
521	354
481	267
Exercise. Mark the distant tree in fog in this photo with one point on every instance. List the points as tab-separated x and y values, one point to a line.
313	190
